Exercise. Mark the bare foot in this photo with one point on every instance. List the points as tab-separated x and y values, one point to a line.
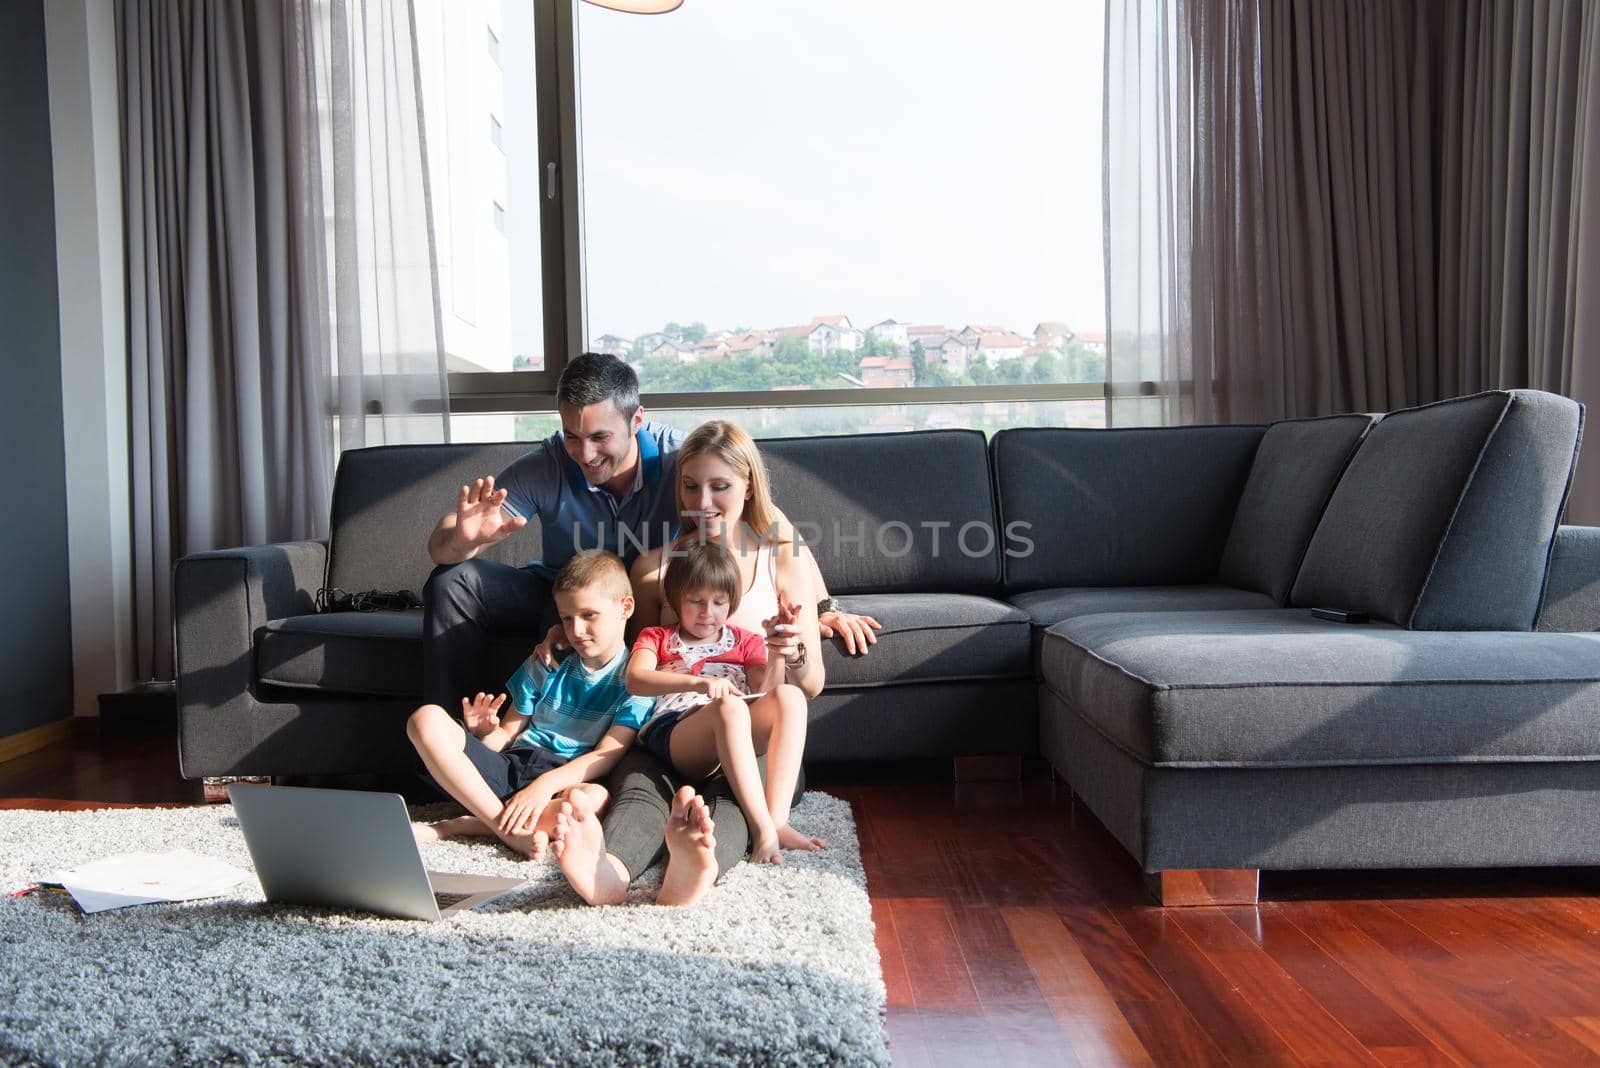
764	850
520	844
579	844
789	838
691	851
443	829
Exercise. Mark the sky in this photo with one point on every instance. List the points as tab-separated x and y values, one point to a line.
761	162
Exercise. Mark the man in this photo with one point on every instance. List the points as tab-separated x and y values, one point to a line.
607	480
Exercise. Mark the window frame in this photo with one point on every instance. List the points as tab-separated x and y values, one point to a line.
563	278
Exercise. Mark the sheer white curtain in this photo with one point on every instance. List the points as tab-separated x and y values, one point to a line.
1146	174
281	274
381	261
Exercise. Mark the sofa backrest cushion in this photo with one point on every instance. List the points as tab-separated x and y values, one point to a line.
1445	516
892	513
1135	507
387	500
1292	477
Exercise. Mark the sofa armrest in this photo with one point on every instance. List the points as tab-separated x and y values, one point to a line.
220	599
1572	588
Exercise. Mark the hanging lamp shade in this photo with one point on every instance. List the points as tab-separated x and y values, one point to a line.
639	7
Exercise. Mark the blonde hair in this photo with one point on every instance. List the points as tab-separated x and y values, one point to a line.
594	568
730	443
707	566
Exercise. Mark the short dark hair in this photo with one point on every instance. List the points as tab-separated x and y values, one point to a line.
598	376
706	566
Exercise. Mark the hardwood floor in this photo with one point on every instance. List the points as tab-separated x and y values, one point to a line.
1014	930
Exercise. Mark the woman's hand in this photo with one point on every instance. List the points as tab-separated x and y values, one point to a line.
855	630
784	640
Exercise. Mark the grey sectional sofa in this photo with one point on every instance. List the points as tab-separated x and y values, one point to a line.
1133	604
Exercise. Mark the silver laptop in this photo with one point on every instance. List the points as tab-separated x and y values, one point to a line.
349	849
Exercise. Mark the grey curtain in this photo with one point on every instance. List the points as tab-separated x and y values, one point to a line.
282	294
1332	205
1519	207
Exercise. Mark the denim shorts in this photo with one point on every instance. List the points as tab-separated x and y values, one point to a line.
657	736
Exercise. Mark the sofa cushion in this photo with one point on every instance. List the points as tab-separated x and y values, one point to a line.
1135	507
387	500
1293	475
375	653
1572	591
934	637
1048	607
926	637
892	513
1282	688
1444	518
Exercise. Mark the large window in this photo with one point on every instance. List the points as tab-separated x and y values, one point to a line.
475	59
821	209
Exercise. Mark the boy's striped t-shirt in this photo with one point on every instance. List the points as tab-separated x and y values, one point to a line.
571	708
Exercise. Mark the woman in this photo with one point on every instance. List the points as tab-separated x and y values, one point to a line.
725	497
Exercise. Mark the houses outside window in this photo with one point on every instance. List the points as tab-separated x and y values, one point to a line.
732	217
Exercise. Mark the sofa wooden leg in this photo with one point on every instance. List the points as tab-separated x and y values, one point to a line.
1206	886
988	769
215	787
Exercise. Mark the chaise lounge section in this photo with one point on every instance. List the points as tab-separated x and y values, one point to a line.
1454	729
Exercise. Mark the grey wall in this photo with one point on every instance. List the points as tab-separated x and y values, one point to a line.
35	627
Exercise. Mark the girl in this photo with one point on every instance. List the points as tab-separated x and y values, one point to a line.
721	700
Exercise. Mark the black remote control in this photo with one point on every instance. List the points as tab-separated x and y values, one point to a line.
1340	615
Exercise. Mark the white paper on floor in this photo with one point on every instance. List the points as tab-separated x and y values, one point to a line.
141	878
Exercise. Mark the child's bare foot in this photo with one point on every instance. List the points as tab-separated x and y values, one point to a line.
579	844
691	851
789	838
443	829
764	850
541	842
520	844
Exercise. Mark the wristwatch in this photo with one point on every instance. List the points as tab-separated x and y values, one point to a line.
829	604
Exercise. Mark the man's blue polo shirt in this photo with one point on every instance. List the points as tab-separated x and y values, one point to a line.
549	488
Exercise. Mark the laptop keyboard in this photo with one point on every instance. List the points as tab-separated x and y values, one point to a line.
445	900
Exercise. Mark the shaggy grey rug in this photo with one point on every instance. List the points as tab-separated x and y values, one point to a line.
776	966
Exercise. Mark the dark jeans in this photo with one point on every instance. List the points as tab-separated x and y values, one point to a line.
479	620
635	824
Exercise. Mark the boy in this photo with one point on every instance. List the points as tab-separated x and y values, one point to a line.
561	730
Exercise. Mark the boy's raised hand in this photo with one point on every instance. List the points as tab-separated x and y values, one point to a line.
479	518
481	714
